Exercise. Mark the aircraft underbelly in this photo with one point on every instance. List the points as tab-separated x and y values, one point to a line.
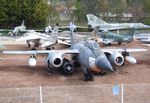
36	41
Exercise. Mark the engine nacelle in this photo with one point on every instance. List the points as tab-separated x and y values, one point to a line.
67	67
130	59
32	62
55	60
116	59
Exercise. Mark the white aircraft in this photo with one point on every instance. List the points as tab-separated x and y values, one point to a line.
87	54
44	40
19	29
48	29
145	40
94	22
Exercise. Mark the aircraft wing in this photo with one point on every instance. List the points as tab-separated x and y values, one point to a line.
31	52
122	50
65	42
47	43
63	38
113	28
28	37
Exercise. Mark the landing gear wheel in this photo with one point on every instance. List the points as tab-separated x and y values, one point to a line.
109	44
33	49
28	42
48	48
119	43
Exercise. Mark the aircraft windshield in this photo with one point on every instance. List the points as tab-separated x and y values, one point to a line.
92	45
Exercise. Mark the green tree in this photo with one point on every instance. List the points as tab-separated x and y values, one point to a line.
147	6
33	12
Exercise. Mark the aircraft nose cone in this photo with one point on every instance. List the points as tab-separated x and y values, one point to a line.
104	64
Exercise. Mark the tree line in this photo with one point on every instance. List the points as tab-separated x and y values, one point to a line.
36	13
140	9
13	12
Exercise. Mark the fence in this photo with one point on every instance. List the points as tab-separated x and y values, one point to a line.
127	93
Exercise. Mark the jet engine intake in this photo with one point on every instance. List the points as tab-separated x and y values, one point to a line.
55	61
116	59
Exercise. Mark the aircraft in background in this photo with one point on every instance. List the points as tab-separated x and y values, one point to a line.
87	54
48	29
145	40
43	40
16	30
94	22
109	37
19	29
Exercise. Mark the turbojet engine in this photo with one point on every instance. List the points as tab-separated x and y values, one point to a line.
55	60
116	59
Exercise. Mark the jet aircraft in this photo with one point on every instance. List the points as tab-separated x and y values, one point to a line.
19	29
44	40
94	22
145	40
109	37
87	54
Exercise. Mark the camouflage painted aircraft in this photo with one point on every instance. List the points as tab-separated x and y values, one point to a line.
109	37
94	22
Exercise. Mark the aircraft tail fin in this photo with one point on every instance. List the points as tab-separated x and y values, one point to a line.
94	32
72	29
49	22
93	20
131	32
22	23
55	33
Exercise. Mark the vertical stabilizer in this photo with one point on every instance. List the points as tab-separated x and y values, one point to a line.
94	32
93	20
72	28
22	23
131	32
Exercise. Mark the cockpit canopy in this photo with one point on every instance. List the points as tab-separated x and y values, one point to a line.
92	44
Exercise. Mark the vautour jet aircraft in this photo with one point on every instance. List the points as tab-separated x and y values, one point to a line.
87	54
44	40
94	22
109	37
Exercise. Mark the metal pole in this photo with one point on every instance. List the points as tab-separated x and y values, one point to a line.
41	101
122	94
